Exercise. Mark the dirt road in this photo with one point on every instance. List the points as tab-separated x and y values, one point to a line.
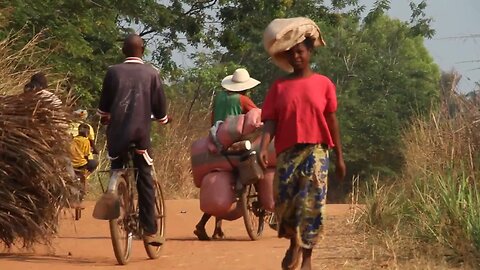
85	244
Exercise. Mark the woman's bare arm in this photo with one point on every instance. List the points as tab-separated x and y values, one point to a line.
267	136
332	123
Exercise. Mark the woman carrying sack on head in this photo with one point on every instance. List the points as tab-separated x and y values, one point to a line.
299	111
233	101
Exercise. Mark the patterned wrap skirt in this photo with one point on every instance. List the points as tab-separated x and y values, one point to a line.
300	192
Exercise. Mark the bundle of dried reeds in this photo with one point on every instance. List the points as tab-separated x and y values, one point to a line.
34	181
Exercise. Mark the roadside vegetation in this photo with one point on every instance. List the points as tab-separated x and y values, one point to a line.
432	210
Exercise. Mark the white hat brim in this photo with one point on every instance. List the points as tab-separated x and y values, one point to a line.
230	85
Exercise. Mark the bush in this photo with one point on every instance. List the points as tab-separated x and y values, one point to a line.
435	205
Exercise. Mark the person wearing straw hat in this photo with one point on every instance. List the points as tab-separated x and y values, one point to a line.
232	101
299	111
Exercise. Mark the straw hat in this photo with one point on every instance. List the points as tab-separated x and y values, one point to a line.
239	81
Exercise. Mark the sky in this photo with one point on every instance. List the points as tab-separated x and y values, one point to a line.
452	47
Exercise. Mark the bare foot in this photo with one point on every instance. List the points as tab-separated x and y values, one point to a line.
306	264
287	259
292	258
296	257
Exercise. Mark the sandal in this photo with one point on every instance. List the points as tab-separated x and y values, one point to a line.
201	234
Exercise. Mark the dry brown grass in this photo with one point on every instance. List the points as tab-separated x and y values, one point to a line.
432	212
19	63
34	182
172	150
446	139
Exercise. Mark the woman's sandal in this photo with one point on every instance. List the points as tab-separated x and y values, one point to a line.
201	234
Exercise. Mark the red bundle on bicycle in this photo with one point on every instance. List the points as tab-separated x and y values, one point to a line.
224	134
217	196
204	161
265	190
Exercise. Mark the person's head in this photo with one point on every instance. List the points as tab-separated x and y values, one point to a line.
299	55
83	130
133	46
37	82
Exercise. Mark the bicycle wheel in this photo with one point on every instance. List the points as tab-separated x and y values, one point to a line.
80	196
253	213
78	213
119	228
153	252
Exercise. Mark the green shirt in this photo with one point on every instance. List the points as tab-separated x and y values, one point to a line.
226	104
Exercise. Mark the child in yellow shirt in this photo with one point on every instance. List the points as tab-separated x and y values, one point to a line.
80	150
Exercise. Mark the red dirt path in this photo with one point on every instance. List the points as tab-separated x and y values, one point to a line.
85	244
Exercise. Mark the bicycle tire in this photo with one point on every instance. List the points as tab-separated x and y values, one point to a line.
120	234
253	214
153	252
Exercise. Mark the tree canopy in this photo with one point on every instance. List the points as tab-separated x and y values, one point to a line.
383	73
382	70
83	37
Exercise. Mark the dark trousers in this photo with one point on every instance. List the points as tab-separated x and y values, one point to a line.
146	193
92	165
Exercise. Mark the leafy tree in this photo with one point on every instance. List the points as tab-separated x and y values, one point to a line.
198	84
384	74
83	37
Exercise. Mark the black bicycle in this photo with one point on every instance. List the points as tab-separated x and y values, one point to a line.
119	205
79	191
248	173
254	215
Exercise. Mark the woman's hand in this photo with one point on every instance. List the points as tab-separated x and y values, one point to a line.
332	122
267	135
340	168
264	157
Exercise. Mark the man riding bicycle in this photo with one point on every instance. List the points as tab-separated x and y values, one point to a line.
132	93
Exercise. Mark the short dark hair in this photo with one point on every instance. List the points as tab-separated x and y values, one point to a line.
133	45
37	82
309	43
83	129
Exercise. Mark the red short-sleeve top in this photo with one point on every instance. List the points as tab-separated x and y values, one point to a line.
298	106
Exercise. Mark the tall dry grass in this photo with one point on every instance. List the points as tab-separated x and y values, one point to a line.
19	62
446	139
172	150
433	210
